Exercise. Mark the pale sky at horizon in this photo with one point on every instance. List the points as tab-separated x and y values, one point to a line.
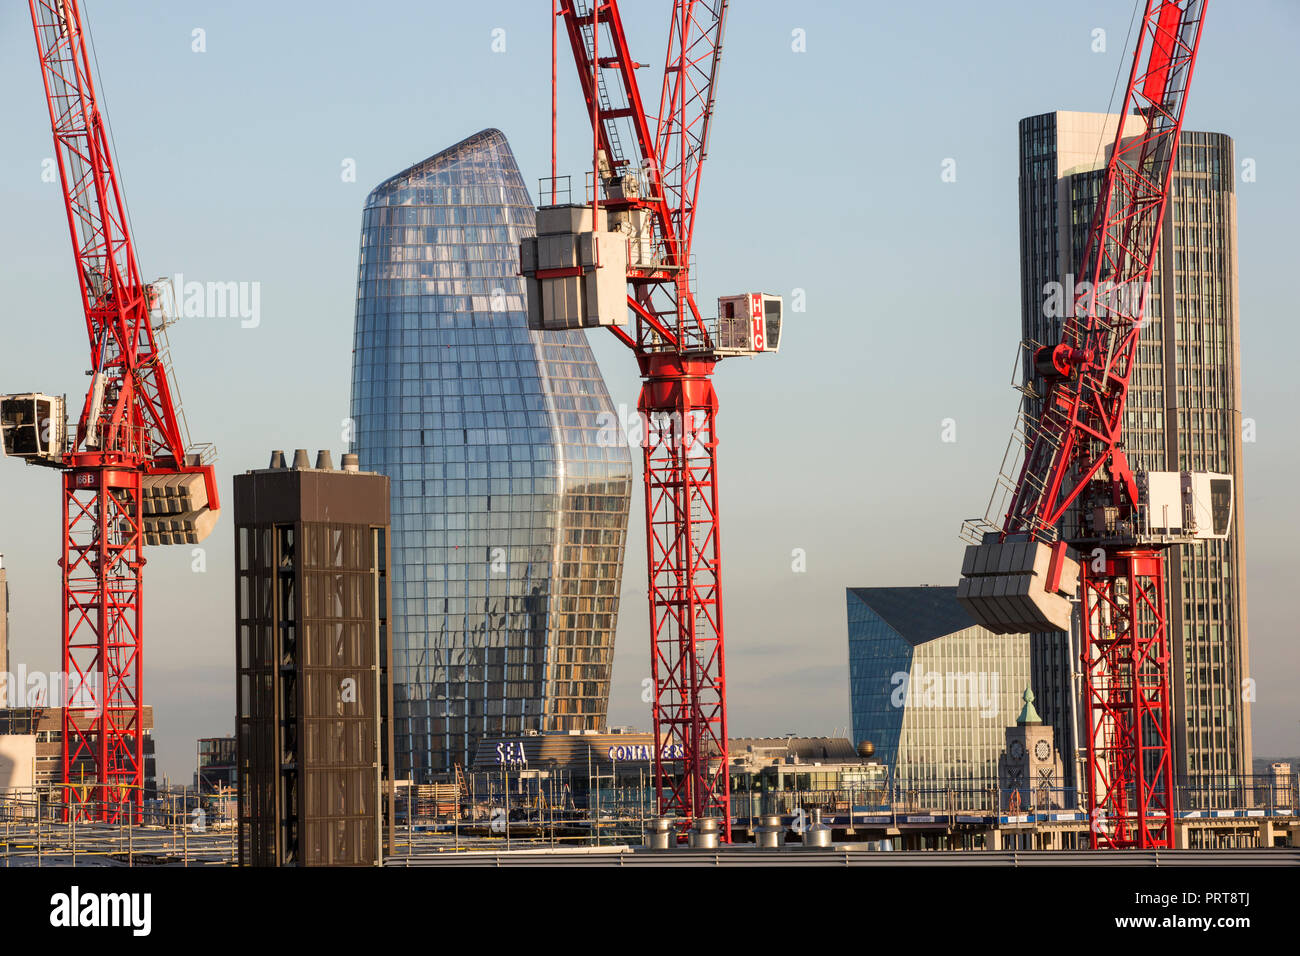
823	175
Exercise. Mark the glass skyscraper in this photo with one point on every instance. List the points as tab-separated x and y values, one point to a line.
1183	413
509	502
930	688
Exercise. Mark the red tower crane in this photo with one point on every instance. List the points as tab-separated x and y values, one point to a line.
1075	486
128	478
626	254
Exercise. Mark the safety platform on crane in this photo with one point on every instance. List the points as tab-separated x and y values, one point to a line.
1174	507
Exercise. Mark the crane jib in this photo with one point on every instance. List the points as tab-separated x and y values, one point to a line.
1075	486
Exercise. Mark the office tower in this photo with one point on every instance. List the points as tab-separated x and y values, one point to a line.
218	766
510	480
1183	413
313	694
931	689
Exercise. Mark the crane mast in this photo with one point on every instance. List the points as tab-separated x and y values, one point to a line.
1075	487
625	255
128	479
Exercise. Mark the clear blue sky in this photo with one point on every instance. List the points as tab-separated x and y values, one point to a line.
823	175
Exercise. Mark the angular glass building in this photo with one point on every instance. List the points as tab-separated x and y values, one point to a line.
931	689
509	505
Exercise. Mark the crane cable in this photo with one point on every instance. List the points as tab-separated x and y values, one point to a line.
102	105
1119	70
1101	140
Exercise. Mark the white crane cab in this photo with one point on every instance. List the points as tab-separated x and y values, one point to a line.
748	324
33	428
1185	505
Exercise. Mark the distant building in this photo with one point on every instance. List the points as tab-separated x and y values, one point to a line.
218	764
1030	774
932	691
1280	784
43	727
572	753
818	768
17	763
1184	413
510	480
313	694
781	774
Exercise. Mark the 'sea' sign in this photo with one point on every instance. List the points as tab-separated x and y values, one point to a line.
511	752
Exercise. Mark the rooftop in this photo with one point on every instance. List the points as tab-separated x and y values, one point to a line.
918	614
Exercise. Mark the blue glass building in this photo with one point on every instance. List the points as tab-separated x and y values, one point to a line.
510	503
931	689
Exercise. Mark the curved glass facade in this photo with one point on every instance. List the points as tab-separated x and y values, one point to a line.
510	506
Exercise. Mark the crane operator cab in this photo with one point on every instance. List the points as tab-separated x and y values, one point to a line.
749	323
33	428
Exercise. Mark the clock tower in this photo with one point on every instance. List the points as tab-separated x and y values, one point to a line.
1029	765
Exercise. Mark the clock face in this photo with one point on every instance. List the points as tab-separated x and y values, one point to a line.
1042	750
1017	749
